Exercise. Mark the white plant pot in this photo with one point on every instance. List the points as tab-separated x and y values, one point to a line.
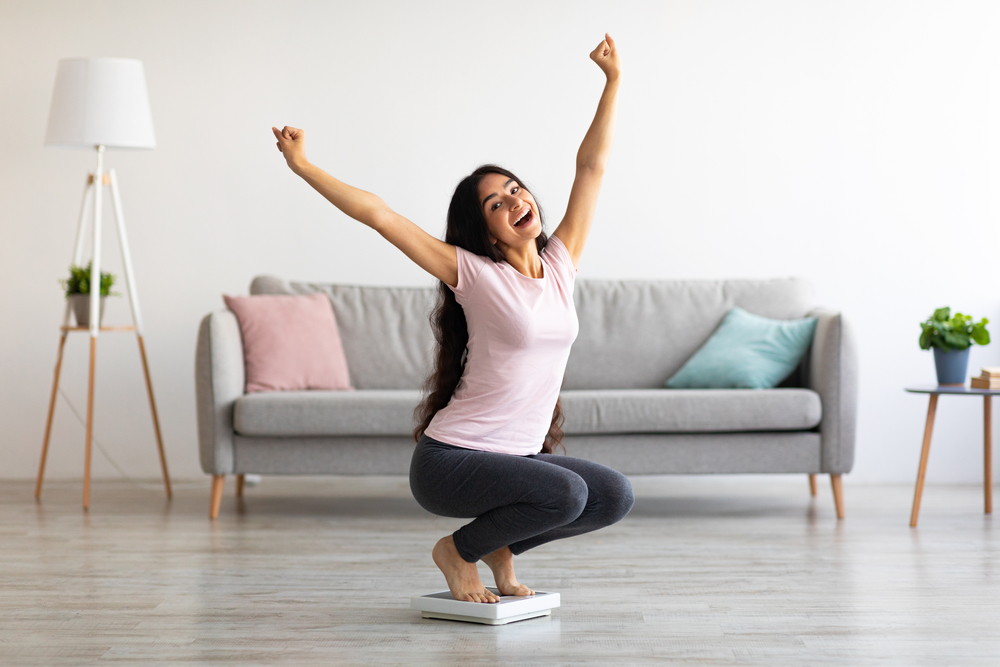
81	308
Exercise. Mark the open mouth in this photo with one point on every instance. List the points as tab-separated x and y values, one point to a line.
525	218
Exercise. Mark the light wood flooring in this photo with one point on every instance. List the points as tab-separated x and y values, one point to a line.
716	571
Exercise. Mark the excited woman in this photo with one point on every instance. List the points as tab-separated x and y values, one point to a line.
504	325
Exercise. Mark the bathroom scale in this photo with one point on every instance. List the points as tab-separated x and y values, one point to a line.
510	608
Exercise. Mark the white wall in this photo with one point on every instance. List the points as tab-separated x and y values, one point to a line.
853	143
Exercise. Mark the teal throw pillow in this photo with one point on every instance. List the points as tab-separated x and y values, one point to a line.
747	351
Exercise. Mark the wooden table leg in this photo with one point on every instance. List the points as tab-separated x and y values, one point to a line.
988	453
90	422
924	453
52	412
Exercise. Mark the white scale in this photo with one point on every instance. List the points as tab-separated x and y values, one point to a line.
510	608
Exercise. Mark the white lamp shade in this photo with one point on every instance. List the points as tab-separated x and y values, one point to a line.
100	102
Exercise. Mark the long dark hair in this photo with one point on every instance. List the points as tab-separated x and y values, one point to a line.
467	229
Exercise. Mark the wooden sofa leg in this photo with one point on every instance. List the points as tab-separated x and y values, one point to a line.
218	481
239	486
812	485
838	495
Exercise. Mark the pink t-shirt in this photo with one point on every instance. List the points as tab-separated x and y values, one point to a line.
520	333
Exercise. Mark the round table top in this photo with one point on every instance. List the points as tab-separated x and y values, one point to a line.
959	390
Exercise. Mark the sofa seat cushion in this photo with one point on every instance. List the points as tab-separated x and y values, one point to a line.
689	410
326	413
389	412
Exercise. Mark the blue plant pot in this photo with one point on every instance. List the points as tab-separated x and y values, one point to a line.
951	365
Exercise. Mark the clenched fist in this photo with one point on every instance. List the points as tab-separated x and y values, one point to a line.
292	144
606	57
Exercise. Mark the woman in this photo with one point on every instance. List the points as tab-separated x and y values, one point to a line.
504	326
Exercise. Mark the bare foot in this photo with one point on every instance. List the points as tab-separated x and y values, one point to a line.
462	577
501	562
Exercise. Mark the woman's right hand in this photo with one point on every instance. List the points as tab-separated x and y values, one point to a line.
292	144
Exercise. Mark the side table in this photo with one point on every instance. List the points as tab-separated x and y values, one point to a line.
957	390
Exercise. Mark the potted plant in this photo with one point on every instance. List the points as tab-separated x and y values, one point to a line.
77	288
951	338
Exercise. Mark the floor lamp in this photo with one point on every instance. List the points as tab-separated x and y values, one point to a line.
100	103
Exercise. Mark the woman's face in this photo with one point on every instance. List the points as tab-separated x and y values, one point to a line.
510	211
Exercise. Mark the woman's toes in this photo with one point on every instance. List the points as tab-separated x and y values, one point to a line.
480	596
522	590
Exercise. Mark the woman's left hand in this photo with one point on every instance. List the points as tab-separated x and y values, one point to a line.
606	57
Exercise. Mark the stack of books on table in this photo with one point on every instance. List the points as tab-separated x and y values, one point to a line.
990	379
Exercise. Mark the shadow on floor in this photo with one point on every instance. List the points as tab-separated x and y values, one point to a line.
726	506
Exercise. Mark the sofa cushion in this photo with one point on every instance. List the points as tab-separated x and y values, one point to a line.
326	413
386	331
289	342
390	412
689	410
747	351
636	334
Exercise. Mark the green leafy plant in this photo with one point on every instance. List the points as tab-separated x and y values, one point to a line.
79	281
945	332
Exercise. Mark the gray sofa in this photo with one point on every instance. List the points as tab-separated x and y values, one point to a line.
633	336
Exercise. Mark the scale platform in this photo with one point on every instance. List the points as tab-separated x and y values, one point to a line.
510	608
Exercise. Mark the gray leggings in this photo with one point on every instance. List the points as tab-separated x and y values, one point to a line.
517	501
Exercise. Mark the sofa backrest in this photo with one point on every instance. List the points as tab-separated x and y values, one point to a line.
385	331
633	334
636	334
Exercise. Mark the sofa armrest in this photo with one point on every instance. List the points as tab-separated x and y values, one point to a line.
219	381
833	373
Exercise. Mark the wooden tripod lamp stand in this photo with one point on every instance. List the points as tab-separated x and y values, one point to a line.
98	103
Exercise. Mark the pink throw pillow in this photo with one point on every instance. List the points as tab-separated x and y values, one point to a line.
290	342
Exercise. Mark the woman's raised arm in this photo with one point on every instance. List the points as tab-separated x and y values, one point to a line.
433	255
592	158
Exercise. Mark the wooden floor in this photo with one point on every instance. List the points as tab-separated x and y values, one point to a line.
319	572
